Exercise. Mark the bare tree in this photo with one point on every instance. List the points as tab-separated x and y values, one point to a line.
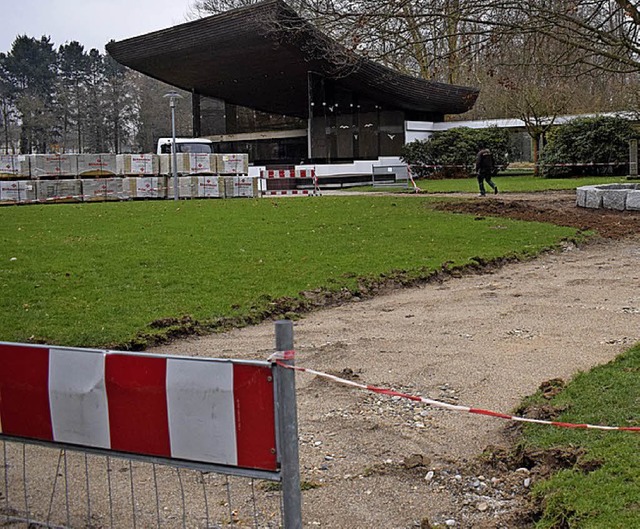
441	39
531	58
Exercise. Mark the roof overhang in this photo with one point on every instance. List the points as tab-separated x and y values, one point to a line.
260	57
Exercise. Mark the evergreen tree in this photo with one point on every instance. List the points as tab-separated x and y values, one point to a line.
30	69
71	89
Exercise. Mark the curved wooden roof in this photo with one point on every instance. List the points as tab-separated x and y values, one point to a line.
259	57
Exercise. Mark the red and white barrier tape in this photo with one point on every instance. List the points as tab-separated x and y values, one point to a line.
289	355
585	164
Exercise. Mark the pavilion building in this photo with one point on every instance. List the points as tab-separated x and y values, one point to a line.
310	99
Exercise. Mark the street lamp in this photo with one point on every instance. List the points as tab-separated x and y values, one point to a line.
172	96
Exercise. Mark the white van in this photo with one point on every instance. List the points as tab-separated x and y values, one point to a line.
198	145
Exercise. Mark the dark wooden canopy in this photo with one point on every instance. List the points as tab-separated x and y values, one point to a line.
260	57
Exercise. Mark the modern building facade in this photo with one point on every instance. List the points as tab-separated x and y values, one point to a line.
330	104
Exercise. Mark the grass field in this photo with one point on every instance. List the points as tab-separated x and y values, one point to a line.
609	496
507	184
98	274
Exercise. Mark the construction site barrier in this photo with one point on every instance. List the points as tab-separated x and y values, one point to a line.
232	417
289	356
292	182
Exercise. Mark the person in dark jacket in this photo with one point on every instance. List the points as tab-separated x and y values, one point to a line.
485	169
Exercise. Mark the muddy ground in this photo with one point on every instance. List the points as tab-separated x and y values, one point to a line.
484	340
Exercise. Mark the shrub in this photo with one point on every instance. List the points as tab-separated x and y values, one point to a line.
602	141
452	153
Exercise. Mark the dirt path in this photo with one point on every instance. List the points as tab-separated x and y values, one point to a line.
481	340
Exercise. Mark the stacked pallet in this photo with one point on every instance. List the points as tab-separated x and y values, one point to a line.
102	177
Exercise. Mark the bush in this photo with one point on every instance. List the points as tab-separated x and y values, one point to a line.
452	153
602	141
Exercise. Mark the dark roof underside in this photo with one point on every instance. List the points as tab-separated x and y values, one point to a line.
259	57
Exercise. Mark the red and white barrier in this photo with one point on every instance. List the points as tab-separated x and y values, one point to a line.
287	355
282	182
289	173
199	410
290	192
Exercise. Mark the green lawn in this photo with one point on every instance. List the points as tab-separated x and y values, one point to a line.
609	496
98	274
506	184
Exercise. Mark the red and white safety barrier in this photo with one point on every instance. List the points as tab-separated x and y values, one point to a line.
200	410
287	355
289	192
282	182
586	164
288	173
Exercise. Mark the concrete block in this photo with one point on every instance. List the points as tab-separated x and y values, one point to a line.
594	198
614	199
633	200
581	196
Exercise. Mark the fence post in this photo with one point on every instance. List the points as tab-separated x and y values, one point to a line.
288	430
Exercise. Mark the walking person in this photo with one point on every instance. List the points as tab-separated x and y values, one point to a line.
485	169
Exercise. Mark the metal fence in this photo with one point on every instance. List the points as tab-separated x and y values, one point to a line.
59	471
56	488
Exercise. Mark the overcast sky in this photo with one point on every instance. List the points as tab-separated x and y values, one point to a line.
92	23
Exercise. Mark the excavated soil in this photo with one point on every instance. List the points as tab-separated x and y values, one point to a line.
484	340
555	207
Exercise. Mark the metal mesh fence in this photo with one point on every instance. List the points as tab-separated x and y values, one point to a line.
41	486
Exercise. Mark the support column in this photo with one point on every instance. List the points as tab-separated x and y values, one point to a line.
288	430
195	114
310	117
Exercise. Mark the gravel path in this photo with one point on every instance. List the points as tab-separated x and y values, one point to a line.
481	340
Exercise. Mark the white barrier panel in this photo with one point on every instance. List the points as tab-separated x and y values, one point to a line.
137	164
14	165
96	164
17	192
220	412
53	165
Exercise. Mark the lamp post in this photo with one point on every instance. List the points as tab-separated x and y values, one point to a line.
173	96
